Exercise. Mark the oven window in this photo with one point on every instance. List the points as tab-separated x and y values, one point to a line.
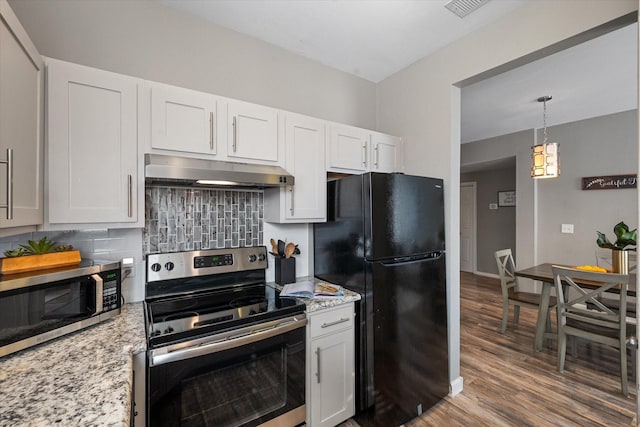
32	311
245	386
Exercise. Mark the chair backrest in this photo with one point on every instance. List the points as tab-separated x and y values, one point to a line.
506	269
584	304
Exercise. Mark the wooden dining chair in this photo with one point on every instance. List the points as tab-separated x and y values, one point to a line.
510	293
582	314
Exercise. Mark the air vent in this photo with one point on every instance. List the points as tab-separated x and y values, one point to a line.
464	7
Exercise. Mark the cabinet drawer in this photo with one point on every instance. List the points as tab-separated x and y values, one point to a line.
331	320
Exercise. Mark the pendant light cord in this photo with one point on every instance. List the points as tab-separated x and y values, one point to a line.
544	120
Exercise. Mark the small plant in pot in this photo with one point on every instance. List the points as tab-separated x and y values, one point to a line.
36	255
621	247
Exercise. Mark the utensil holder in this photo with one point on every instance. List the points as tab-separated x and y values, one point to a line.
285	270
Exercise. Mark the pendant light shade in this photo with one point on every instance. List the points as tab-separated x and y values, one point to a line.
545	157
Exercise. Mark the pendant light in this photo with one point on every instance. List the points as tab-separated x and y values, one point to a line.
545	158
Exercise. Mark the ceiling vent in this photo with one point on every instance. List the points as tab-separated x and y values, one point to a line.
464	7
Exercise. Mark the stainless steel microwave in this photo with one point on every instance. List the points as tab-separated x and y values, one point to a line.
42	305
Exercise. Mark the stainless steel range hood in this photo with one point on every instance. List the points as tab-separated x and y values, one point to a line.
186	171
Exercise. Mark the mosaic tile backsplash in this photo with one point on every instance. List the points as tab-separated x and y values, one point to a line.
183	219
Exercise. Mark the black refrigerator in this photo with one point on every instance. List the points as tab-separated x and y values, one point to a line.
384	238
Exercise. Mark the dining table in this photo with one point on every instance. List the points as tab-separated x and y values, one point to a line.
544	274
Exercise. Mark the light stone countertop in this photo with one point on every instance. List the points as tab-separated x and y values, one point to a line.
320	304
81	379
85	378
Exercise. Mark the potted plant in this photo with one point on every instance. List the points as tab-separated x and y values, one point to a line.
36	255
620	248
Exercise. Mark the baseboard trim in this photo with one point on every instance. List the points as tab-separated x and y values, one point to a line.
481	273
456	386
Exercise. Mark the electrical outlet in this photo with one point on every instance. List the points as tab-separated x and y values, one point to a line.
128	268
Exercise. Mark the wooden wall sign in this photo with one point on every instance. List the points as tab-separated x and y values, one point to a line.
612	182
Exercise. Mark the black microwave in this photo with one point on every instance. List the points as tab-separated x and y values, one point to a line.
39	306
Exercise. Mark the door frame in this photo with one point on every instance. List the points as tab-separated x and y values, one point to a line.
474	225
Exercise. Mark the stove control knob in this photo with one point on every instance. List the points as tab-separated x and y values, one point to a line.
155	267
261	257
168	330
169	266
252	258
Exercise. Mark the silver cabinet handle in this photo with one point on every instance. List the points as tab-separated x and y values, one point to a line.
375	163
99	292
235	134
318	364
130	200
337	322
9	163
364	154
292	206
211	129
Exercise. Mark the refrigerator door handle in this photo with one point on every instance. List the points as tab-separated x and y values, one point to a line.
430	256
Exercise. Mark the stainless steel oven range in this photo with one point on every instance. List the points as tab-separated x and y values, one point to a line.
223	348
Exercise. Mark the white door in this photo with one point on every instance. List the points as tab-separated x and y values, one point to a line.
92	145
252	133
348	149
385	153
305	144
21	119
332	387
182	119
468	226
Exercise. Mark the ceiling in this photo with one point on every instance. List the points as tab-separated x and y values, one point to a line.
373	39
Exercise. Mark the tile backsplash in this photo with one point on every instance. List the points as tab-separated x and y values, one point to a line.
182	219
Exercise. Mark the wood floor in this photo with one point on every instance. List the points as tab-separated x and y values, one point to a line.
507	383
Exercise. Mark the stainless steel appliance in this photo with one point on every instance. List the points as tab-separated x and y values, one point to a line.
384	238
224	348
45	304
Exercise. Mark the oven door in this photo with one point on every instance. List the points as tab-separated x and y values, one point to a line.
244	377
33	314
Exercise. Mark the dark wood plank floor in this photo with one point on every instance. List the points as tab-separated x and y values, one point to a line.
506	383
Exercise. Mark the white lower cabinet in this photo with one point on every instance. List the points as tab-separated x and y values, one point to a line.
330	366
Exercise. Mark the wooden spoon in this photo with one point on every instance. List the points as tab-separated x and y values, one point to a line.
289	249
274	247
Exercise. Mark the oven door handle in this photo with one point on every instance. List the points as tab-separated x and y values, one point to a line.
217	344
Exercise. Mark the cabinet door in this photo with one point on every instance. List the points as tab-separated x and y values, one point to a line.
385	153
306	201
332	378
252	133
182	119
21	125
348	149
92	145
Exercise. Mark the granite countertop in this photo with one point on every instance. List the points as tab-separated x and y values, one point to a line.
81	379
320	304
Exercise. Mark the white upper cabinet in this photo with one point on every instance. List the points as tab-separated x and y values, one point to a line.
21	127
252	134
385	154
305	201
348	149
183	120
354	150
92	146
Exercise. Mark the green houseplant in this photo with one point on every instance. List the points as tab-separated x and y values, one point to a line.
619	249
36	255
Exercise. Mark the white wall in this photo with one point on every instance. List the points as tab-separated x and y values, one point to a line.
601	146
422	104
146	39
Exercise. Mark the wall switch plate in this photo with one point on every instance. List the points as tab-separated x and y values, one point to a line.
567	228
493	206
